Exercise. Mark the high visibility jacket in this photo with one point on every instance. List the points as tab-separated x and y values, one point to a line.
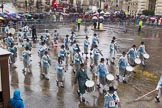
79	20
140	23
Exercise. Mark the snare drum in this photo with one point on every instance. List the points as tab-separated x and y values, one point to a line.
90	85
129	68
146	56
109	78
137	61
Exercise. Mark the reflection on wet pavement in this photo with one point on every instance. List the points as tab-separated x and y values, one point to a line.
40	93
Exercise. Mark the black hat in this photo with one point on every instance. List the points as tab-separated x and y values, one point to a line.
114	38
87	37
111	88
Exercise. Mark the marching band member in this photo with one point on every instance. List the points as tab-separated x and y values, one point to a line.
25	31
102	72
62	53
115	44
45	62
95	41
111	99
9	40
60	72
77	61
141	50
86	44
74	49
42	50
41	40
72	38
28	44
112	50
159	88
96	55
20	37
81	78
6	29
123	62
47	37
55	36
26	59
66	42
13	55
132	54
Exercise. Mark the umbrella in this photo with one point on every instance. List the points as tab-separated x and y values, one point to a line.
117	12
107	13
152	18
18	17
96	13
1	18
94	17
102	12
28	14
101	17
12	14
64	14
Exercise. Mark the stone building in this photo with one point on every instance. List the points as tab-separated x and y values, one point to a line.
158	7
137	6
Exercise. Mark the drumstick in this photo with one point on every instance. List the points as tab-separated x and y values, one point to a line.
145	95
142	96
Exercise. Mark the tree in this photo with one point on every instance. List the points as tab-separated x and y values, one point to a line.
148	12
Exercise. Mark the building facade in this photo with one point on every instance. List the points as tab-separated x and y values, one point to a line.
158	7
137	6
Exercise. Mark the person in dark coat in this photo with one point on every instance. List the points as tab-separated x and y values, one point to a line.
81	78
16	101
34	33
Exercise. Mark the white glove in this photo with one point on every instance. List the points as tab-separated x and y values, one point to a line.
61	67
157	88
96	74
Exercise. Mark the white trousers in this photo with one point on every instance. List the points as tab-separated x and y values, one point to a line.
159	93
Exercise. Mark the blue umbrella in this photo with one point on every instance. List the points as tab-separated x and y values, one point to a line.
12	14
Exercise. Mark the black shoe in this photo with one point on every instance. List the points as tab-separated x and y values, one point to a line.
98	85
83	99
117	77
62	86
74	71
112	63
57	84
124	82
78	92
42	75
104	91
157	99
134	72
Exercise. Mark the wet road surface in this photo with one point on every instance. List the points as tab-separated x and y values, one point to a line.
40	93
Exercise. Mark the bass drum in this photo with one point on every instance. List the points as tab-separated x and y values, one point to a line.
12	31
137	61
90	86
129	68
109	78
146	56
